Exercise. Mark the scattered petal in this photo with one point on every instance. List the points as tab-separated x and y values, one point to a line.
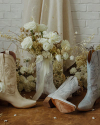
15	115
55	117
93	117
5	121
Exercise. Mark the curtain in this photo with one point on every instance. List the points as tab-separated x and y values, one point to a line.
56	14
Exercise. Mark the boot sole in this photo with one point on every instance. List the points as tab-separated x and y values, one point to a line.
25	106
48	102
85	110
63	107
5	103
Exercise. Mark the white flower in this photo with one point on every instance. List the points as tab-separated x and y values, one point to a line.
47	46
65	56
83	69
53	36
32	86
20	86
30	70
23	70
27	58
39	58
46	54
73	70
78	75
22	79
65	44
45	33
58	57
41	27
27	43
31	25
85	76
43	40
71	57
30	78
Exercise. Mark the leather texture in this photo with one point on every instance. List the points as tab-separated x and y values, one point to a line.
65	90
93	87
8	78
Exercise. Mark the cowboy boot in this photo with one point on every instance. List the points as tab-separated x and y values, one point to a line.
9	91
44	83
58	98
93	80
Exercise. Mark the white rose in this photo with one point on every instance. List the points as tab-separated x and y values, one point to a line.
73	70
58	57
45	33
31	26
71	57
43	40
23	70
54	37
46	54
65	56
39	58
47	46
41	27
65	44
30	78
27	43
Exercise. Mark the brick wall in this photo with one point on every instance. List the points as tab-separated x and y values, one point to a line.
85	13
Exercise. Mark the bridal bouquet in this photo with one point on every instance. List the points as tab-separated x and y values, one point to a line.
42	44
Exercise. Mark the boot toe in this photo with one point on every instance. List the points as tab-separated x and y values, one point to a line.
28	103
84	106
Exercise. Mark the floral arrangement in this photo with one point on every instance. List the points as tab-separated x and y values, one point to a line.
26	78
80	71
26	75
36	40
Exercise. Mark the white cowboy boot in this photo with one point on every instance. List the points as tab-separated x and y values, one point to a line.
44	73
9	91
58	98
93	87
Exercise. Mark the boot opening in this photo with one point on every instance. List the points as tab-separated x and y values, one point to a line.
12	54
90	55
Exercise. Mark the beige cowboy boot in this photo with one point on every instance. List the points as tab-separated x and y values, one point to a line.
8	84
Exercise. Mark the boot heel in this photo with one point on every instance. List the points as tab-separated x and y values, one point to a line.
3	103
48	102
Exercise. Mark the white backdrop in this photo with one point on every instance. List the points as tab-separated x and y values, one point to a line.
85	13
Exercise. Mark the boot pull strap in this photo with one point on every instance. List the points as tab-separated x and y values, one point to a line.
7	52
90	55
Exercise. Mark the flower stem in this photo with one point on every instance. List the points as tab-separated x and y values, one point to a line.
33	35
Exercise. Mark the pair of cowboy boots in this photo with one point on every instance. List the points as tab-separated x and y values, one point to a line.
58	98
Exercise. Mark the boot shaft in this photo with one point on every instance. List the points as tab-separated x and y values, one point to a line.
93	70
8	72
